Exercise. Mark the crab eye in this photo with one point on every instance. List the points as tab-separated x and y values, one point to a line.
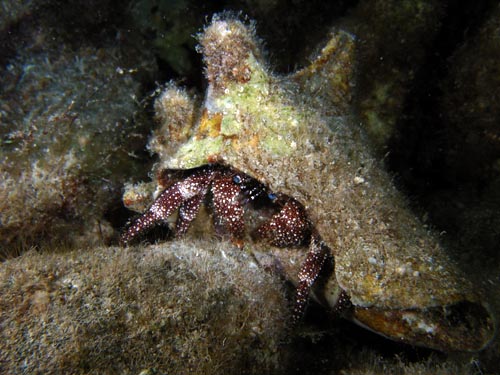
272	196
237	179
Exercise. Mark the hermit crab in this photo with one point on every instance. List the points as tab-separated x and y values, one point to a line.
230	191
292	142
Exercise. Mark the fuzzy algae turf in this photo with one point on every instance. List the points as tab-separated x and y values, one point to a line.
68	125
176	308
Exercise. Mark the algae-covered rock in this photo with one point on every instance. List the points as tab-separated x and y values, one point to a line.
70	119
175	308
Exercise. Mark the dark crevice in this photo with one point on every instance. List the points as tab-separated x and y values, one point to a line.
419	146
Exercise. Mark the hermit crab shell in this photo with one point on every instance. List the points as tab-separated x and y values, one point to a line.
296	135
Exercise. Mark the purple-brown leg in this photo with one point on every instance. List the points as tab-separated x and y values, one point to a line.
318	253
163	207
168	202
187	213
289	227
228	211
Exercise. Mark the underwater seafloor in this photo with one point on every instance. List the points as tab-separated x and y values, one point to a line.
81	121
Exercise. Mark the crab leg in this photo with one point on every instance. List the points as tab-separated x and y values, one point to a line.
168	202
187	213
318	252
289	227
227	208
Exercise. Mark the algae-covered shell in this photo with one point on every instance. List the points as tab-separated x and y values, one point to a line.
295	134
